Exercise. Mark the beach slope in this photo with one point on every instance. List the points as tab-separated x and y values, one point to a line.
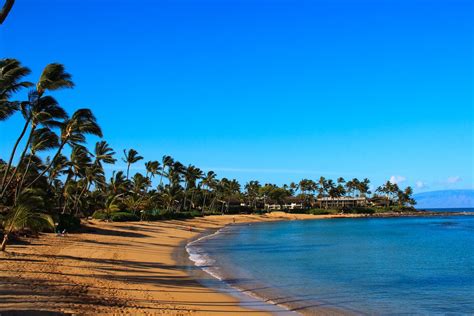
110	268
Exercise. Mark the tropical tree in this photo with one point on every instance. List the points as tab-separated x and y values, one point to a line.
11	81
252	191
73	132
130	157
26	214
7	6
191	175
38	110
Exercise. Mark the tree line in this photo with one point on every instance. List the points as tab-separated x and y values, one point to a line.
50	172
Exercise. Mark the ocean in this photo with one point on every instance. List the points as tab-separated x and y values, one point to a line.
404	265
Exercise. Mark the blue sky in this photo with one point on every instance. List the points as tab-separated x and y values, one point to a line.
270	90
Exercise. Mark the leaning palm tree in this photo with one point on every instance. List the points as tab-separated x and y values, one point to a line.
42	139
152	168
104	153
44	111
93	175
7	6
73	132
191	175
53	77
112	204
130	157
166	162
11	81
25	215
208	182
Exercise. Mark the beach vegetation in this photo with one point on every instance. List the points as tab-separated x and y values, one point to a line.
54	160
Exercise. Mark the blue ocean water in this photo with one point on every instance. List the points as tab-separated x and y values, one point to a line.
412	265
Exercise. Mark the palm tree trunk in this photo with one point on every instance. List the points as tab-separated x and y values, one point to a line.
78	198
185	197
49	166
5	10
204	203
20	185
4	242
10	161
128	170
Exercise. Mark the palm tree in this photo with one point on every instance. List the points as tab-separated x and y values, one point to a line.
252	190
42	139
191	175
11	81
152	168
7	6
43	111
103	153
118	183
25	214
231	188
73	132
208	182
53	77
166	162
130	158
93	175
58	167
112	204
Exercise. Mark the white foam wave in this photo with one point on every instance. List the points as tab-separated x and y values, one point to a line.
207	264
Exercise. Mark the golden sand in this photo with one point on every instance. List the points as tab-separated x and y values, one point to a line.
118	268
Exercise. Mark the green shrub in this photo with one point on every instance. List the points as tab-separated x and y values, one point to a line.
320	211
99	215
361	210
123	217
196	213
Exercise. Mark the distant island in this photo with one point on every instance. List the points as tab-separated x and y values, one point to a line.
445	199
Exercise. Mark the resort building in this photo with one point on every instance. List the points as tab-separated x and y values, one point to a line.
341	202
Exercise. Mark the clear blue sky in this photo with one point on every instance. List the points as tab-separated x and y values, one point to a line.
271	90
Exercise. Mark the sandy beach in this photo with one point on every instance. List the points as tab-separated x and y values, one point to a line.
118	268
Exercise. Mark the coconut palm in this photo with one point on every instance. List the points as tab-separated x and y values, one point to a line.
152	169
11	81
58	167
93	175
130	157
118	183
73	132
208	182
53	77
103	153
112	204
7	6
191	175
44	111
166	162
42	139
252	191
231	189
26	215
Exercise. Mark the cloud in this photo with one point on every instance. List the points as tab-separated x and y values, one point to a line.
397	179
454	179
420	185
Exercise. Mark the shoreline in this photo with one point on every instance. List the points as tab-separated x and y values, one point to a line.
248	297
112	268
127	268
245	298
